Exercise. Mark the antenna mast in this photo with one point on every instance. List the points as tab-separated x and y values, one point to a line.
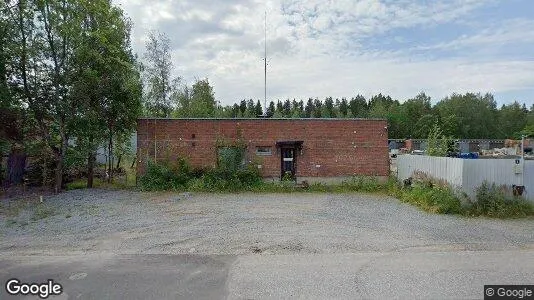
265	68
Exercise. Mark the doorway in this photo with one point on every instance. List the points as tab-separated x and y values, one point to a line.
288	160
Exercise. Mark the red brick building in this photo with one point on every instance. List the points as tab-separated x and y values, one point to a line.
306	148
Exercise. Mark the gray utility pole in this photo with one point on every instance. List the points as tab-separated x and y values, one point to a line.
265	70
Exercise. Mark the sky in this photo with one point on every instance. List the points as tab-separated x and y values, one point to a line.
346	47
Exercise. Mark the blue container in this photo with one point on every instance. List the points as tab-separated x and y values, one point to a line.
468	155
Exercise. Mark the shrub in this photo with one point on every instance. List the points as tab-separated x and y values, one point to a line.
287	177
437	200
494	201
249	176
164	176
362	184
224	180
491	200
198	172
231	159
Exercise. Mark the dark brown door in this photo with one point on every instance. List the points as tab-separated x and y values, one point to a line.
288	163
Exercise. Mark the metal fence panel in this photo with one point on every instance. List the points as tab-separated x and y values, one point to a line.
498	171
446	168
468	174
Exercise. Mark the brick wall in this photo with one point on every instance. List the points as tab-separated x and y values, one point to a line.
331	147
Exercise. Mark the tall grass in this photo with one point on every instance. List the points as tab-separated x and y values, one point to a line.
495	201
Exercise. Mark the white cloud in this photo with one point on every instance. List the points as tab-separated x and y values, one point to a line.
316	48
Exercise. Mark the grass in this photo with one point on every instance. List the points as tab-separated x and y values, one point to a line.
439	200
77	184
117	183
126	181
365	184
490	201
495	201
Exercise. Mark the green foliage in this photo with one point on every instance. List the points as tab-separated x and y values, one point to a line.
528	131
198	101
77	184
414	110
165	176
230	159
438	144
475	115
362	184
73	75
512	118
222	180
423	126
287	177
159	86
491	200
203	102
494	201
432	199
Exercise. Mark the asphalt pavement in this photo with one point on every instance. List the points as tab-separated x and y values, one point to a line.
415	274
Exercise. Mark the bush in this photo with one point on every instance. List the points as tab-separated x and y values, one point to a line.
437	200
164	176
231	159
224	180
494	201
491	200
180	176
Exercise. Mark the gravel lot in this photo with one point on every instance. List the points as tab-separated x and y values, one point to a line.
128	222
104	244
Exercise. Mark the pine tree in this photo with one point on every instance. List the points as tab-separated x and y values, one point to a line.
308	110
317	113
271	109
343	107
258	109
286	108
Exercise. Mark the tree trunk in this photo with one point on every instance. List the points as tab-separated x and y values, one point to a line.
110	155
90	168
118	162
60	156
44	175
59	172
2	181
133	162
16	164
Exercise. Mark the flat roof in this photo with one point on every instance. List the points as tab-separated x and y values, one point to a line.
265	119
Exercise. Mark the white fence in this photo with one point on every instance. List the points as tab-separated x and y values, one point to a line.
468	174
